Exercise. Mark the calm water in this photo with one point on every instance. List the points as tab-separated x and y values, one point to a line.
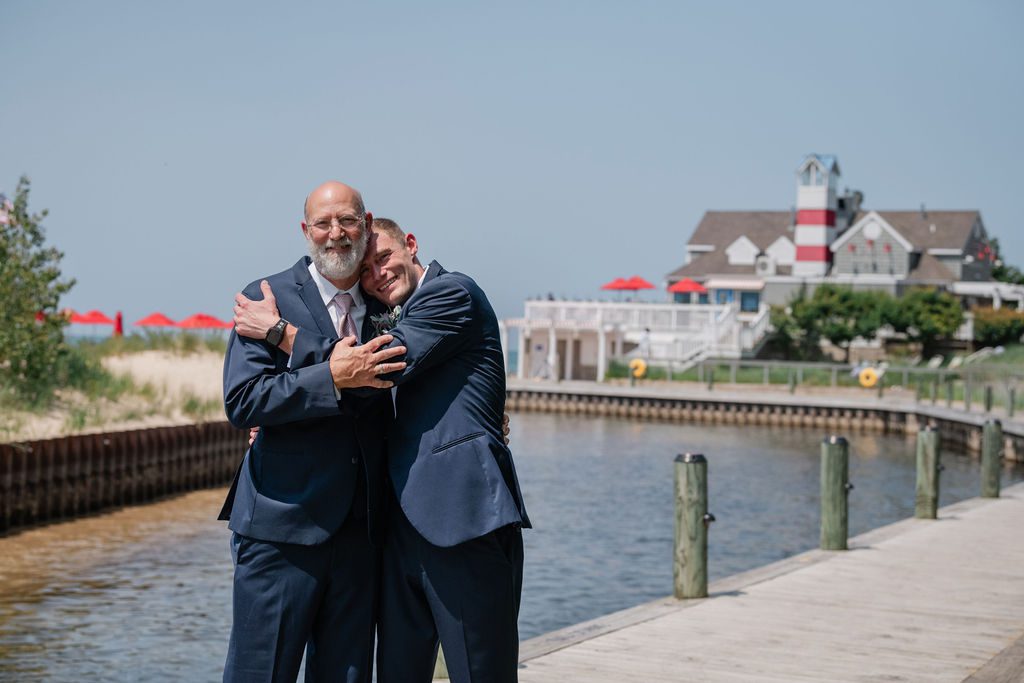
144	593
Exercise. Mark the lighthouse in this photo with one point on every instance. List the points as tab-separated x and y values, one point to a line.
817	177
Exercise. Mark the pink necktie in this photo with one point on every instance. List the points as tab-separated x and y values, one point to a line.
346	326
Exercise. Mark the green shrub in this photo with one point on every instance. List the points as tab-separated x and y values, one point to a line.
997	327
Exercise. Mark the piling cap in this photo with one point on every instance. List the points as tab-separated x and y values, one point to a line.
691	458
834	440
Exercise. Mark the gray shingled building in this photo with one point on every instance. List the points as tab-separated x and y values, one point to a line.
748	257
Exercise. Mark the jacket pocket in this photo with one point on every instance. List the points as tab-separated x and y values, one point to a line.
456	442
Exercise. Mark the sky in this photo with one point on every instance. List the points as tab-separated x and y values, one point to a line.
540	147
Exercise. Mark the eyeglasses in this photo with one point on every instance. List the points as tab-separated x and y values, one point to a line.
343	222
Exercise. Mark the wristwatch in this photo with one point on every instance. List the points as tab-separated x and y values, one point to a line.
276	333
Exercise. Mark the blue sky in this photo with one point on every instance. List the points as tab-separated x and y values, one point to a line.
539	147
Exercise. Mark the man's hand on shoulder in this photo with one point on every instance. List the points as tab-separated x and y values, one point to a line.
358	366
254	319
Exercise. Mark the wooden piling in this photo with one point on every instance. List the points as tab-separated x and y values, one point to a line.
991	455
835	488
690	566
926	502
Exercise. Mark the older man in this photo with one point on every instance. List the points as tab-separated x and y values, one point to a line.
452	567
306	503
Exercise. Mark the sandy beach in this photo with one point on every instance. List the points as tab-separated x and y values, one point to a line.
198	374
171	389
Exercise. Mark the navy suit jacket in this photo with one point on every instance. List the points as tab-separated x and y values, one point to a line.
297	480
451	470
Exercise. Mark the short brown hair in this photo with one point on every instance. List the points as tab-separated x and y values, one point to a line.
389	227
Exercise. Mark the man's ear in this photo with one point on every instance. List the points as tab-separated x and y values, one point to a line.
305	229
369	220
410	243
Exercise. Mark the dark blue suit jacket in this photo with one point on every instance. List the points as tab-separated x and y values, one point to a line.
297	481
447	458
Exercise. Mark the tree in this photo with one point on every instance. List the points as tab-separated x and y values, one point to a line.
31	326
926	315
794	333
838	314
1002	271
842	315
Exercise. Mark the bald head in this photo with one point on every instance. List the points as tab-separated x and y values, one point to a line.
335	225
333	192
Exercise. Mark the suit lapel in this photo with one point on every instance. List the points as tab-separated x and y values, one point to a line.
314	302
433	270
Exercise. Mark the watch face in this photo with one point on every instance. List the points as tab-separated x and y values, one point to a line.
276	332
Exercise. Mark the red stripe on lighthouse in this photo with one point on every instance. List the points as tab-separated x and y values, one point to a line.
815	217
804	253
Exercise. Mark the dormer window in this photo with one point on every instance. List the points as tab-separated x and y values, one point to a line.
742	252
818	170
812	175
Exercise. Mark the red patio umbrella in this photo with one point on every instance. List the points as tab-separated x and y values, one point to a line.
202	321
118	325
618	284
637	282
155	320
91	318
687	286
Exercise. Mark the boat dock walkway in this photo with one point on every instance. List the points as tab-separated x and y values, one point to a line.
843	397
918	600
834	411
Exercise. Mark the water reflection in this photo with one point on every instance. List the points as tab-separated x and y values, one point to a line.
144	593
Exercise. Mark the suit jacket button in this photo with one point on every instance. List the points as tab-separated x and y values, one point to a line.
355	461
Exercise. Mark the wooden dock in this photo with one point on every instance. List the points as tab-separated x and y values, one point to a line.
919	600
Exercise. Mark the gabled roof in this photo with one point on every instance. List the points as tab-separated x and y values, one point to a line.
871	217
719	229
930	269
830	162
722	228
952	228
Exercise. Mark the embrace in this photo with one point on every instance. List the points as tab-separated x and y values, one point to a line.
379	498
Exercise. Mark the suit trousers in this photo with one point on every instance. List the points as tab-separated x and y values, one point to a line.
318	598
466	595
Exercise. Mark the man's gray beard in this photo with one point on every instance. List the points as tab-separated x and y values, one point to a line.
337	266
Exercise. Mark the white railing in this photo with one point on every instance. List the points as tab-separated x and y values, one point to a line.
755	330
673	331
662	317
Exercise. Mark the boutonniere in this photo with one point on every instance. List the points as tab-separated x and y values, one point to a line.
383	322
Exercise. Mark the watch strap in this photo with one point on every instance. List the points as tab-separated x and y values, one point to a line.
276	333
